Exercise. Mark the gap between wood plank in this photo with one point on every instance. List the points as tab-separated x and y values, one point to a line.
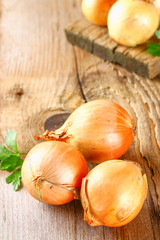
78	78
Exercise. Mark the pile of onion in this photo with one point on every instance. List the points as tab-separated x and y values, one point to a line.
101	129
55	172
52	172
132	22
113	193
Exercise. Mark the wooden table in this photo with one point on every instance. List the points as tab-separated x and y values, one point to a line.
41	77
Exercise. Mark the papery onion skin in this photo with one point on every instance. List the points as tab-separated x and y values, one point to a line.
113	193
100	129
52	172
131	23
96	11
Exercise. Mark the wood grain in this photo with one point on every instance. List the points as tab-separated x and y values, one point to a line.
95	39
42	80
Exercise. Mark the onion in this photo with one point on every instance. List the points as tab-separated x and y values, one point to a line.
100	129
96	11
132	22
113	193
52	172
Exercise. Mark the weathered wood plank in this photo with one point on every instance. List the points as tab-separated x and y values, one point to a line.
95	39
100	49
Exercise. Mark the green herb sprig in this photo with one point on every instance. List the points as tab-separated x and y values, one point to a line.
154	48
10	159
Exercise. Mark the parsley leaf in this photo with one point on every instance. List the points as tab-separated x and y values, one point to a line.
10	160
157	33
10	140
154	49
11	163
5	153
15	178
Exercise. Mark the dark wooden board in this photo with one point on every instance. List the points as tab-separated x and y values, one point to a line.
95	39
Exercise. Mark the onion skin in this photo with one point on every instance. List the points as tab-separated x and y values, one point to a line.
113	193
132	22
101	130
52	172
96	11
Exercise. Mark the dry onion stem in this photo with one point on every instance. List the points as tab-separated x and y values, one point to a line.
52	172
113	193
100	129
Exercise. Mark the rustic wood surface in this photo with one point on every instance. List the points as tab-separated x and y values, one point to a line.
95	39
42	80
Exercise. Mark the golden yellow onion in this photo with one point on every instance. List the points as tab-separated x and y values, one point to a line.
52	172
132	22
101	129
113	193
